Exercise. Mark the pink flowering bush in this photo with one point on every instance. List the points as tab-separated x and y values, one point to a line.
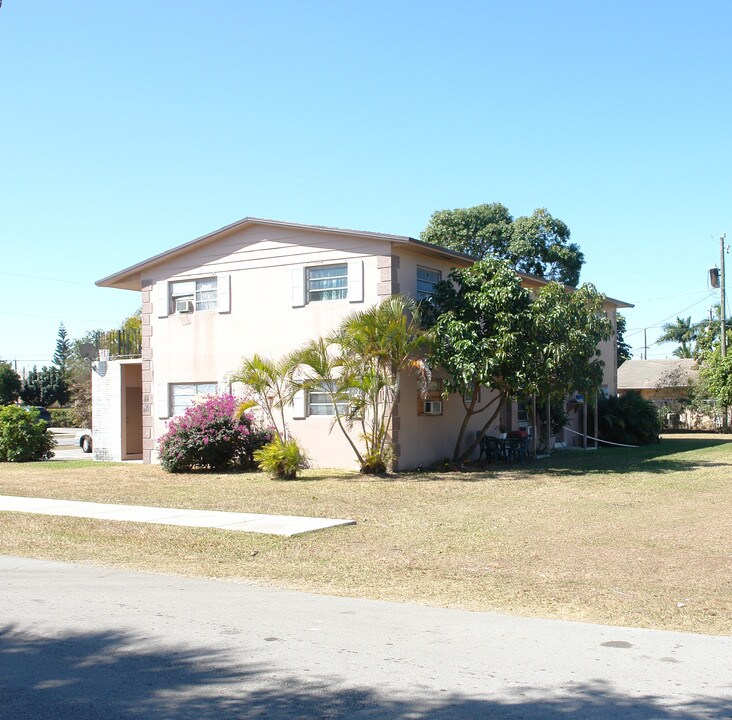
210	436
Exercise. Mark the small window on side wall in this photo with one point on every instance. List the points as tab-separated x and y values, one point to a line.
187	296
320	402
182	395
429	402
329	282
426	281
324	283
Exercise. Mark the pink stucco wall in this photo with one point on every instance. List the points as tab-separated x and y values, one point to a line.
259	261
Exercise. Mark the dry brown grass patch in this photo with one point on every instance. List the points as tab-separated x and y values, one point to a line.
637	537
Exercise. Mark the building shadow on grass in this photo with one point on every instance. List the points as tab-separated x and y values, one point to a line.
668	456
116	676
621	466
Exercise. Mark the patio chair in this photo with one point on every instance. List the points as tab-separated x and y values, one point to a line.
492	447
519	449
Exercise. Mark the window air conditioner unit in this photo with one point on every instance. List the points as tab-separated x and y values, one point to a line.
432	407
184	306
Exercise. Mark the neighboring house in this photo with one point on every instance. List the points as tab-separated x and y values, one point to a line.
658	380
266	286
666	383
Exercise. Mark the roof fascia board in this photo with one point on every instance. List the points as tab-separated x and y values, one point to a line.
247	221
127	273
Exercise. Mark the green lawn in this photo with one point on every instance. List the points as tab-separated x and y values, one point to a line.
630	537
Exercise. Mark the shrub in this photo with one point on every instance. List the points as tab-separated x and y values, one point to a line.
374	464
81	392
281	459
559	417
209	436
10	384
628	419
65	418
23	436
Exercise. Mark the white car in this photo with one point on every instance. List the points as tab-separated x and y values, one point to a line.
84	440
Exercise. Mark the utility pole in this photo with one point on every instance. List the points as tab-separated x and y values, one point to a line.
722	301
722	313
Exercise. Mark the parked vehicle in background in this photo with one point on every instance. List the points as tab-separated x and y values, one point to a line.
84	440
42	413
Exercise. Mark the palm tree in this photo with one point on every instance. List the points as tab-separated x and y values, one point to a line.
269	382
318	367
358	367
378	344
682	331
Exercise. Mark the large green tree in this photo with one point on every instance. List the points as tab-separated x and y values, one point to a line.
716	372
707	334
567	329
623	348
64	349
490	332
481	338
10	384
538	244
44	387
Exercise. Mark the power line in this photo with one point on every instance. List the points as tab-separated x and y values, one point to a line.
48	279
671	297
57	317
31	356
676	314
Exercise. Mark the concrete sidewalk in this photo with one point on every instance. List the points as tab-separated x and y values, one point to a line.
287	525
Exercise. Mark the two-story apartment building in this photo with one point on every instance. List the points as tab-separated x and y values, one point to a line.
268	287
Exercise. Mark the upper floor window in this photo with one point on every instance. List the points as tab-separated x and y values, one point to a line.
194	295
426	281
336	281
327	283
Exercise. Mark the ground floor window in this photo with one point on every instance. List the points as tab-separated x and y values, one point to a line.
320	403
429	401
183	394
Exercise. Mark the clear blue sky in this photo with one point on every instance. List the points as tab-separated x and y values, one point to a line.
128	128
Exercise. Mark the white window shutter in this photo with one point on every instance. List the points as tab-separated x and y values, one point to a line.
355	281
298	287
298	405
163	400
223	285
163	299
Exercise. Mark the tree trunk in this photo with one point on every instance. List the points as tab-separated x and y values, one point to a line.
475	442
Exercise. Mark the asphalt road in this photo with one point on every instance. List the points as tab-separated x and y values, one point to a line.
82	642
66	448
